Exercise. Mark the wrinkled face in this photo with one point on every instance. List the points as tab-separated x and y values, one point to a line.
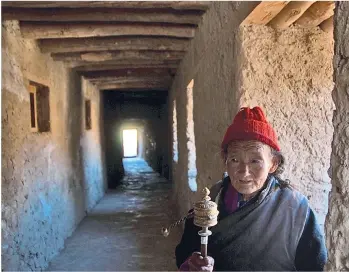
248	165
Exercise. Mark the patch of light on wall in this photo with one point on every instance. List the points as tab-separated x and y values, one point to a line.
192	171
130	142
174	130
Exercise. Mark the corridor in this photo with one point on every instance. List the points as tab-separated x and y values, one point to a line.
76	75
123	231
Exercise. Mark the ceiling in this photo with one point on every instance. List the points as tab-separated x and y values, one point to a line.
116	45
137	45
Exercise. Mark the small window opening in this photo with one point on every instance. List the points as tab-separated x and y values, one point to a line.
32	111
88	123
174	131
192	171
130	143
39	98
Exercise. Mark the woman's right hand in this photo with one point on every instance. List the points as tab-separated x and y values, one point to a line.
198	263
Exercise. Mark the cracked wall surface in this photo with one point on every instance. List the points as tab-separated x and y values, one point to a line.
47	178
289	74
337	221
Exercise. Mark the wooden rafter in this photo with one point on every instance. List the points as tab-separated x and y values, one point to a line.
316	14
289	14
118	55
133	85
113	43
39	30
107	67
327	25
130	79
184	5
264	12
103	15
141	72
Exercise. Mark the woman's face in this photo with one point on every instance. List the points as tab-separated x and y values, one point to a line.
248	165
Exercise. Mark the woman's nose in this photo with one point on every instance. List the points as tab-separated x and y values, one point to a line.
243	168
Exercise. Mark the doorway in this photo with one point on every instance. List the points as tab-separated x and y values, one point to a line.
130	143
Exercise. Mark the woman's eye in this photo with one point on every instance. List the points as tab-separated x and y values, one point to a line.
232	160
255	161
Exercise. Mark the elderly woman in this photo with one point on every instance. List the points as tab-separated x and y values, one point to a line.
263	223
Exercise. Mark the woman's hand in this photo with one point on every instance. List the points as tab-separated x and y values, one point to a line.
198	263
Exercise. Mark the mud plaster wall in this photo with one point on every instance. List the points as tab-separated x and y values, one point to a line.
91	147
153	120
211	62
337	221
44	194
289	74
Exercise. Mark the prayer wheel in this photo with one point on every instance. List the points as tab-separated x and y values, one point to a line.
205	215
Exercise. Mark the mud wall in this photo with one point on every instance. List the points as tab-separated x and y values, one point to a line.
49	179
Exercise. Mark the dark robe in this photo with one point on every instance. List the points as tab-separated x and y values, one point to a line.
275	230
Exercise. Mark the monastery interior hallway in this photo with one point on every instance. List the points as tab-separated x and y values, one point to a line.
123	231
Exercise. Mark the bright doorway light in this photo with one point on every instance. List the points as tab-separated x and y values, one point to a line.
130	142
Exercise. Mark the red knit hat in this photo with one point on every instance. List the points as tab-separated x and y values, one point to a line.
251	124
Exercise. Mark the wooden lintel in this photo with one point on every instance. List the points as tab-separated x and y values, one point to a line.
46	30
113	43
105	67
289	14
183	5
102	15
140	72
118	55
327	25
264	13
316	14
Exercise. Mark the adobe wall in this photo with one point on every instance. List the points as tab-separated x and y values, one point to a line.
47	180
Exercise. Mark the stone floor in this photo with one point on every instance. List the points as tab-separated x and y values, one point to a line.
123	231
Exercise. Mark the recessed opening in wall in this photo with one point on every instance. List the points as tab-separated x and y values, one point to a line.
192	171
39	99
88	123
174	131
130	142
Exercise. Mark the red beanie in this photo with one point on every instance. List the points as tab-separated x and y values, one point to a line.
251	124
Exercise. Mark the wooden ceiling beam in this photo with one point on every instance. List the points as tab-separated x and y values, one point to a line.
133	85
316	14
113	43
102	15
264	12
123	64
46	30
117	55
119	80
178	5
105	67
289	14
327	25
127	72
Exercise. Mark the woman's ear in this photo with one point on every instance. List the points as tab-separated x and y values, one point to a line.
274	164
